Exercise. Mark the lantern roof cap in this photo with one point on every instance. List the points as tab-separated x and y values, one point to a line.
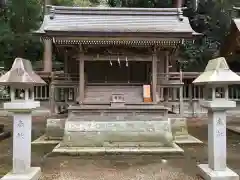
217	72
21	75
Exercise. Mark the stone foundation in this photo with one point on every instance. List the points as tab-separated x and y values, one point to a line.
112	132
104	131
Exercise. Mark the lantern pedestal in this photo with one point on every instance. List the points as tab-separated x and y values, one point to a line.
22	127
216	169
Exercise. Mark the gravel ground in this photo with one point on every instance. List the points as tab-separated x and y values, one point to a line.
120	167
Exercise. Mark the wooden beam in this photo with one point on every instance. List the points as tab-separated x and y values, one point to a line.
115	57
52	98
178	3
47	57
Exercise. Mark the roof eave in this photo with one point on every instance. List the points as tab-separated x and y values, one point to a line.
187	34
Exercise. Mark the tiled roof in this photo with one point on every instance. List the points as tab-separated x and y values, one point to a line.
116	20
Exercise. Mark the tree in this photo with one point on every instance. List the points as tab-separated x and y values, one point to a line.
17	20
86	3
81	3
212	19
140	3
62	2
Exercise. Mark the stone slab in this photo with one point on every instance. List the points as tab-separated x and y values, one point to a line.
99	133
55	129
43	140
33	173
209	174
116	150
187	140
235	129
180	132
37	112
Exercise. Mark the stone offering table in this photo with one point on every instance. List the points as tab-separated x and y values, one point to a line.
22	77
216	78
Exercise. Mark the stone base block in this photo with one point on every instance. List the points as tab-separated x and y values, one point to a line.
180	132
117	150
43	140
55	129
33	173
209	174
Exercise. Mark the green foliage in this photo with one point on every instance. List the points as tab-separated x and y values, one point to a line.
17	20
212	19
140	3
81	3
62	2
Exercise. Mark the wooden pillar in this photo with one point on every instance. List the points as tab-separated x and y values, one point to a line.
166	71
65	61
166	63
178	3
154	76
190	97
47	57
181	105
46	3
52	98
81	77
161	75
66	90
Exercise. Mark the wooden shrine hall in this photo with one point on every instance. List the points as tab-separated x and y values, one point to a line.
116	57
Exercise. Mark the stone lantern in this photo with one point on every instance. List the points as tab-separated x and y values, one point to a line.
216	78
22	77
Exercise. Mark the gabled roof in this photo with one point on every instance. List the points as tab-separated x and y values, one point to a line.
21	75
217	72
115	20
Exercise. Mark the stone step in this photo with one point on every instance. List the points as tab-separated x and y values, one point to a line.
133	144
117	150
104	93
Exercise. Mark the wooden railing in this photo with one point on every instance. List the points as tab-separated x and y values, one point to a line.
171	76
